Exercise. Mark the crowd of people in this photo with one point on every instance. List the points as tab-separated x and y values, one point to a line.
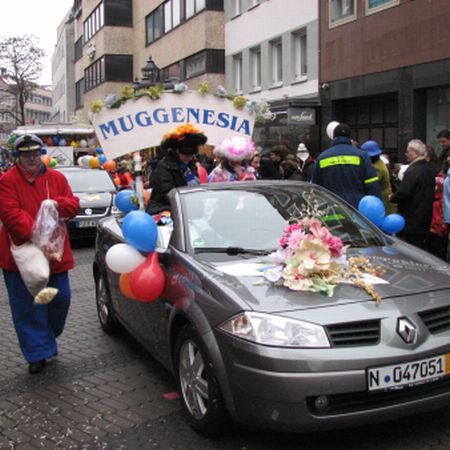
418	190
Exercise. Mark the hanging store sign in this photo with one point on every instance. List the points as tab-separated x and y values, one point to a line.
301	116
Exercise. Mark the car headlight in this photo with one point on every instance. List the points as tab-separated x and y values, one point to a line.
276	330
115	210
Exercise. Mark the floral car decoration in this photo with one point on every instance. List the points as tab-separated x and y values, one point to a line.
311	258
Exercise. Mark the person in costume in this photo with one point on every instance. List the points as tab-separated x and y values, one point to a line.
177	168
232	154
22	190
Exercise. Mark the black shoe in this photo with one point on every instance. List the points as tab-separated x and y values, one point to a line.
37	366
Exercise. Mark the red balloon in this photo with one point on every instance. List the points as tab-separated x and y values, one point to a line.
202	174
147	280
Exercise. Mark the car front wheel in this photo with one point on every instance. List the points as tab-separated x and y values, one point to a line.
104	308
200	393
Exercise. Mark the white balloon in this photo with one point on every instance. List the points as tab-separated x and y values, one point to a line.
330	129
123	258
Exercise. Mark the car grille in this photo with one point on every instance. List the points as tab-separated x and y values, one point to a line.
362	401
354	333
436	320
95	211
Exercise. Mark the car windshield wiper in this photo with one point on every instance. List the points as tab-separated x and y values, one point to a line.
233	251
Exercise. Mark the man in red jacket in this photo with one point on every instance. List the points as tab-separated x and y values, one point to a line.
22	190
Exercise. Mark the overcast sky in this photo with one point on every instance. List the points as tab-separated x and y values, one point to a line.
39	18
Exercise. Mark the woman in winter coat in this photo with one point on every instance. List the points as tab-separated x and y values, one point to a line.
177	167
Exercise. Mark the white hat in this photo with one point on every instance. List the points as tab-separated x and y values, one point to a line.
301	148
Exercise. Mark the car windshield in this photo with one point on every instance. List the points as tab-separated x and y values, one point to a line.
89	180
252	221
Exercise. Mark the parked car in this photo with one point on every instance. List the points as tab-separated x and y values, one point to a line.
96	191
269	356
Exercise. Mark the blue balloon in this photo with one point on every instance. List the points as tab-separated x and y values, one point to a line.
393	223
102	159
99	151
140	231
62	142
372	208
124	202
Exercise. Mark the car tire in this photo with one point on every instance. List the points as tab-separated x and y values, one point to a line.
105	312
198	386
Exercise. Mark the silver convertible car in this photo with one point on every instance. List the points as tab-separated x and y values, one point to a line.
243	347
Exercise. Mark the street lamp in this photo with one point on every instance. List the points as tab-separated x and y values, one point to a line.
150	76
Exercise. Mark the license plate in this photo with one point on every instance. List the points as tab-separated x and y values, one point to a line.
86	224
399	376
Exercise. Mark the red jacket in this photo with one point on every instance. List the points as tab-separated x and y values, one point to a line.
19	203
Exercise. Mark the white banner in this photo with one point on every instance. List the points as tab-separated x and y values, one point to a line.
139	124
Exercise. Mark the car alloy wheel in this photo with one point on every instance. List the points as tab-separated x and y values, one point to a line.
105	315
200	392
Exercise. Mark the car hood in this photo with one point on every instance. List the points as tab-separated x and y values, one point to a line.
94	199
408	271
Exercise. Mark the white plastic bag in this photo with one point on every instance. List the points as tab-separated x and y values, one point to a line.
49	232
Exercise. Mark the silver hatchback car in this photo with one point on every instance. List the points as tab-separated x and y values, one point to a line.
269	356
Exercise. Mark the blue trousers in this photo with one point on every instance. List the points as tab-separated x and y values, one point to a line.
38	326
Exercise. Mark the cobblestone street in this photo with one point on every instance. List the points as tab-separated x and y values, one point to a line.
106	392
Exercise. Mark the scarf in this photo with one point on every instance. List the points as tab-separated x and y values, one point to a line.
30	176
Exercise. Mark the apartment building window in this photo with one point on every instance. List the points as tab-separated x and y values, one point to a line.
341	11
374	6
93	23
154	25
255	68
237	73
300	55
94	74
172	14
276	51
237	7
79	49
195	65
193	7
79	97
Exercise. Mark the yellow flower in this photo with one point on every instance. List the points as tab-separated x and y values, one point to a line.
127	92
239	102
203	87
96	106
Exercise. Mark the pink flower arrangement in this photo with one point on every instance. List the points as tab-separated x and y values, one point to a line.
308	258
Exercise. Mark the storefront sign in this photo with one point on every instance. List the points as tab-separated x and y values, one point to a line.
301	116
139	124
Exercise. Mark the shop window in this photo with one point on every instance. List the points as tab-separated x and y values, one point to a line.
341	12
374	6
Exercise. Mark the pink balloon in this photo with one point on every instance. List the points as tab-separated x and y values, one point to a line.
202	174
147	279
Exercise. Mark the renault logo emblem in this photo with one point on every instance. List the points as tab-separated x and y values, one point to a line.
407	330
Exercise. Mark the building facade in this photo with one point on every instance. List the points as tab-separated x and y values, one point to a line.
38	107
115	38
271	52
384	69
63	72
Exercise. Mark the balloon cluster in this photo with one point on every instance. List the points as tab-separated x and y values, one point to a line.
373	209
141	278
95	162
59	140
49	161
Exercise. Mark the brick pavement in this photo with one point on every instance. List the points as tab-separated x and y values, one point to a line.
105	392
